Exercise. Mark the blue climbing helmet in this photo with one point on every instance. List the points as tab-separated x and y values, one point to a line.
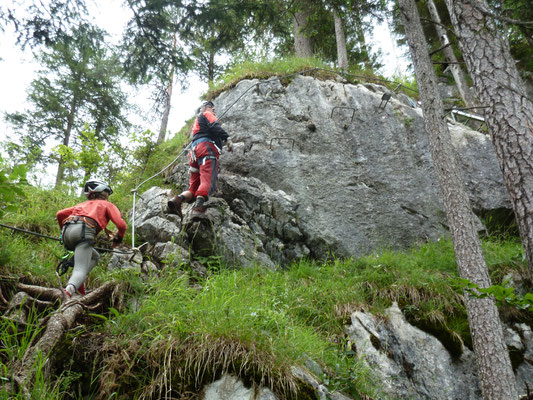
96	186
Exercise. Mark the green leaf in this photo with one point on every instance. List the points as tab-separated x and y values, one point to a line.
114	311
103	317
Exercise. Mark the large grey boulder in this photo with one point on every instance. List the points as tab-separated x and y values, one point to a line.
479	167
519	340
412	364
220	232
152	223
231	388
270	214
171	254
223	233
358	174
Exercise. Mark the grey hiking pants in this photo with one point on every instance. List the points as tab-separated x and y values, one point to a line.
85	257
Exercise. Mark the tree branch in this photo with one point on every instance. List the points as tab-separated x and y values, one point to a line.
439	49
482	8
442	25
45	293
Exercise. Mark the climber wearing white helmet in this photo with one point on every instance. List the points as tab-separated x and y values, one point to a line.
80	225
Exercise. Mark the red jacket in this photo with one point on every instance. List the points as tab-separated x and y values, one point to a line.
100	210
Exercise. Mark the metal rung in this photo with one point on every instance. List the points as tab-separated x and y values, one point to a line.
345	108
385	98
470	116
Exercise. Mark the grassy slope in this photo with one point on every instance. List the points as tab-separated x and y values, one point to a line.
254	322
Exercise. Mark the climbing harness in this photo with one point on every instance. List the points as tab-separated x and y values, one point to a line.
14	228
91	223
195	143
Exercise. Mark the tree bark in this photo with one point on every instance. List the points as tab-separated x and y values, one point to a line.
361	36
509	112
494	366
168	99
342	53
166	111
302	43
211	68
458	75
66	139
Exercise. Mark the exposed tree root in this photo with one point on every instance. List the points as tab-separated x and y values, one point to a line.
55	325
2	298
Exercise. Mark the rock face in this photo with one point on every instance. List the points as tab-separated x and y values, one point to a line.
230	388
326	167
411	363
321	168
415	365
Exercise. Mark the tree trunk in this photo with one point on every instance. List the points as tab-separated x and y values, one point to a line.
509	112
168	99
166	111
56	327
458	75
342	53
302	43
211	68
66	139
497	379
361	36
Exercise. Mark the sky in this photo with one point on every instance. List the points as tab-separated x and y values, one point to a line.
17	69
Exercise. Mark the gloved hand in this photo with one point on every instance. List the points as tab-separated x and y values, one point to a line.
116	241
229	145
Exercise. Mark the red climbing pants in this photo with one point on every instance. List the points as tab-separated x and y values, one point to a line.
203	167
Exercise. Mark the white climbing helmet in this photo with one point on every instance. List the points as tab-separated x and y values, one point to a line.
96	186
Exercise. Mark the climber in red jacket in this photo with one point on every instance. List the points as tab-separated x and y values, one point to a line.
80	225
208	138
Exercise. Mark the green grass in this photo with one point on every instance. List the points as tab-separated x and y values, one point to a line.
245	322
263	70
256	322
14	342
270	320
282	67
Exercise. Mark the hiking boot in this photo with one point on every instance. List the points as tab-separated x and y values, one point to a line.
199	208
67	295
174	206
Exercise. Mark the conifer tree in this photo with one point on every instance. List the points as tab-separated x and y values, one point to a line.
494	365
79	83
508	109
